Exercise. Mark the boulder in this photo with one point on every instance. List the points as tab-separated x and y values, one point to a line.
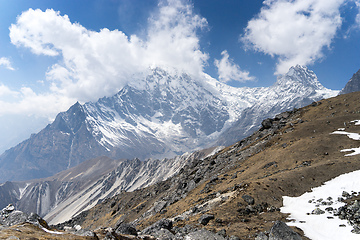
9	217
126	228
203	234
161	224
249	199
261	236
204	219
281	231
267	123
163	234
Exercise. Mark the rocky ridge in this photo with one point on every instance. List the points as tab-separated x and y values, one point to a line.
353	85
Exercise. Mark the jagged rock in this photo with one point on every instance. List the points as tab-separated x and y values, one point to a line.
181	232
261	236
161	224
126	228
249	199
352	85
267	123
9	217
317	211
158	206
204	219
283	115
281	231
163	234
345	194
222	232
351	213
203	234
214	179
8	209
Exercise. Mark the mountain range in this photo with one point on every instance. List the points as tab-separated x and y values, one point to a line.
159	114
237	192
289	153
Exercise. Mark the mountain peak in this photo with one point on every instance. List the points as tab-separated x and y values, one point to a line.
353	85
300	75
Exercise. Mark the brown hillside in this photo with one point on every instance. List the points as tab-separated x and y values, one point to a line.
296	154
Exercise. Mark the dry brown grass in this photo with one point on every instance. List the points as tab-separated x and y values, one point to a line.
27	231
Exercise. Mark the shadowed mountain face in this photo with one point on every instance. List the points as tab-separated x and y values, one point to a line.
353	85
157	115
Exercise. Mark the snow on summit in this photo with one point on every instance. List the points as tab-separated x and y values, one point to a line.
163	113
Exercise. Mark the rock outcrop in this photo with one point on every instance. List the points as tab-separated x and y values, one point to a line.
353	85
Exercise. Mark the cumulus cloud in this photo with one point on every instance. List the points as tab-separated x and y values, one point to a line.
228	70
27	102
294	31
5	62
95	64
6	91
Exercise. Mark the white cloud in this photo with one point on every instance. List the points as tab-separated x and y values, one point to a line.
26	102
228	70
295	31
96	64
6	63
357	19
6	91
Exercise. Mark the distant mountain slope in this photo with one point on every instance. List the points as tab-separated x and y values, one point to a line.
72	191
159	114
353	85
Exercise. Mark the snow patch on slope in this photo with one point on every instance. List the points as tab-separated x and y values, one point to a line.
354	136
320	226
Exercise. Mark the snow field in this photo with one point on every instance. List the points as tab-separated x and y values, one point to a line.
320	226
326	225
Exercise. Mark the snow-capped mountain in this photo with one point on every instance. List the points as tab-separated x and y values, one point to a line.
297	88
353	85
159	114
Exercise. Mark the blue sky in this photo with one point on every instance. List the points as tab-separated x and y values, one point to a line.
53	53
